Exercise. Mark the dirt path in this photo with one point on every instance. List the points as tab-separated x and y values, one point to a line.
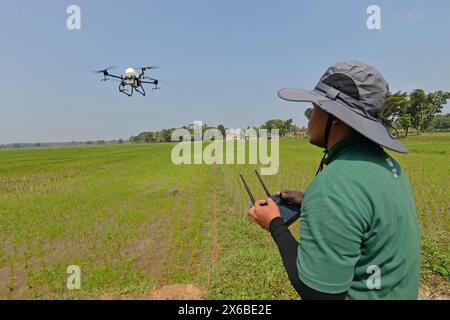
214	250
215	230
177	292
172	292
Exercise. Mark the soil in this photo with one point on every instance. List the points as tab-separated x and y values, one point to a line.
426	293
177	292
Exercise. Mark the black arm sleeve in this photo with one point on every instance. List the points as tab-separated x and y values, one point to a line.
288	247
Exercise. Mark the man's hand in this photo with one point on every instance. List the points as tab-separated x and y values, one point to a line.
296	197
263	212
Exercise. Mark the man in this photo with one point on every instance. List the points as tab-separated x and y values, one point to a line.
359	236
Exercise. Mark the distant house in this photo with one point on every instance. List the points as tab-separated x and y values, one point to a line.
235	134
297	134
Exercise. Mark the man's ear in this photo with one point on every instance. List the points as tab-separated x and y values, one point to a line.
341	125
337	123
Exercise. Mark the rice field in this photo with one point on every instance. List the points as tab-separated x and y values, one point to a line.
135	223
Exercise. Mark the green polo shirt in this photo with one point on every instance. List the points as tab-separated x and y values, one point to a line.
358	229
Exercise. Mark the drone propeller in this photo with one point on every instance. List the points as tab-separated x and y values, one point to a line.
147	68
104	71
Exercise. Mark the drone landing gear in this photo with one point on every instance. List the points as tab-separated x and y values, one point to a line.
141	92
124	90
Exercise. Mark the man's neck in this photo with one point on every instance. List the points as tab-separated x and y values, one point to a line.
338	136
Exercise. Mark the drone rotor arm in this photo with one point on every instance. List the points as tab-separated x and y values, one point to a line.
150	82
113	76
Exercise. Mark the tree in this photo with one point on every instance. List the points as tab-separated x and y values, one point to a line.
394	106
436	101
395	111
166	135
423	107
222	130
157	137
404	122
285	127
418	107
204	128
308	112
415	110
149	137
441	122
274	124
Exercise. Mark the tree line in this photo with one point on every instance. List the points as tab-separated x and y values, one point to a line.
402	112
59	144
285	127
416	110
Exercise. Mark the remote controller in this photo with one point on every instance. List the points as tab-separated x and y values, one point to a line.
289	211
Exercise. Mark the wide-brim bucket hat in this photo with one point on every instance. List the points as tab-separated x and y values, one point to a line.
353	92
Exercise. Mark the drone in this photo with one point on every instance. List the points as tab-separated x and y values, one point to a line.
132	80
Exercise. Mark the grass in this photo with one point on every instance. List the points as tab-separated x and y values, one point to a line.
113	211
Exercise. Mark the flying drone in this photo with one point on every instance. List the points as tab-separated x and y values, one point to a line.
132	80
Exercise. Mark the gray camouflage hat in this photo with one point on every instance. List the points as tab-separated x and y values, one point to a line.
353	92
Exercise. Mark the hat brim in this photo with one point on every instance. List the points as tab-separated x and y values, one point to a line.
300	95
371	129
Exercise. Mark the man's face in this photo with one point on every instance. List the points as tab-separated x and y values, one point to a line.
316	124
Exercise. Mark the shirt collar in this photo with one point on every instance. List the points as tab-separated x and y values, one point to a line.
343	146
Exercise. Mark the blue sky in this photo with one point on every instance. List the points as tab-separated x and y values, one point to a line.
222	60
